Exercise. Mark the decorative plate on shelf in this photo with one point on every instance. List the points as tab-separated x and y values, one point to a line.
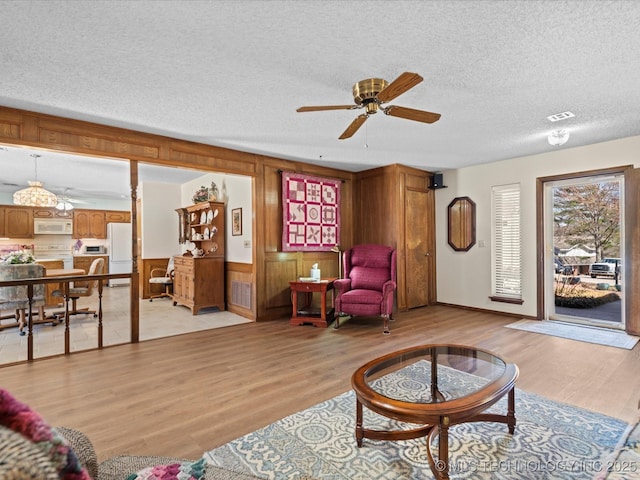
214	247
206	233
203	217
209	216
215	213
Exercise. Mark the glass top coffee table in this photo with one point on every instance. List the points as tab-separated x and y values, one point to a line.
435	387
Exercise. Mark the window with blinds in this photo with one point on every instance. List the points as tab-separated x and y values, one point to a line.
506	252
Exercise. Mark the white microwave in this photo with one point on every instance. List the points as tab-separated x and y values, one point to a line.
52	226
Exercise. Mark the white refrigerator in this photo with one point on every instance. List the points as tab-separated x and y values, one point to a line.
119	251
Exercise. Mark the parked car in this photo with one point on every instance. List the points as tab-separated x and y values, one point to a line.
608	267
567	269
563	269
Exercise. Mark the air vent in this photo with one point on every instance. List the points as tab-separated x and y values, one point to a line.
241	294
560	116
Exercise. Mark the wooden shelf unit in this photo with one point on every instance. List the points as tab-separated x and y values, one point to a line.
199	281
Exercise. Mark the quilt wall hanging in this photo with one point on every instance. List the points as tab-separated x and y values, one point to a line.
310	212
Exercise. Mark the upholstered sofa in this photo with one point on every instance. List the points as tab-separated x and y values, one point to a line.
21	459
30	449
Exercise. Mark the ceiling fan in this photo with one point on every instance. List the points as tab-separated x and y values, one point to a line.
65	202
372	93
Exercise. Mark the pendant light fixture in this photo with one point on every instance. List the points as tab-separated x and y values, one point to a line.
35	195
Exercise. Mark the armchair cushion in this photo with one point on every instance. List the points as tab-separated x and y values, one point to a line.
369	278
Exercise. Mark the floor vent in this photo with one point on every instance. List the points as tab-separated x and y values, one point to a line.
241	294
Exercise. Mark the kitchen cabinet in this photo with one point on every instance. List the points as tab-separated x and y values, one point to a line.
198	280
16	222
93	223
89	224
51	212
117	216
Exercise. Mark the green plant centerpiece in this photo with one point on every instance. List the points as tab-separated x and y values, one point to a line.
201	195
17	258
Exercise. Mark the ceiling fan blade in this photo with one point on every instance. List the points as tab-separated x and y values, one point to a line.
400	85
327	107
355	125
412	114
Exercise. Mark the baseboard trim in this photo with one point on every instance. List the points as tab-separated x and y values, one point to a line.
486	310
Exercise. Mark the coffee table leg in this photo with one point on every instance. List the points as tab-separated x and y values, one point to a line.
511	411
442	465
359	429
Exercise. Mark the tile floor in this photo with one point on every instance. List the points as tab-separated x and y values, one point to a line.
157	319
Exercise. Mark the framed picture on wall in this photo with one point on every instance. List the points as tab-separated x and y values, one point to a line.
236	221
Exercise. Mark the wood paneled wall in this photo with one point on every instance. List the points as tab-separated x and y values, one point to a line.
272	269
281	267
383	217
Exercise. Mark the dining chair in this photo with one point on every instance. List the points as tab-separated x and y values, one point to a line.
161	276
81	289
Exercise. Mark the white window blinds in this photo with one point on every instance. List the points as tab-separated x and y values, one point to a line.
507	277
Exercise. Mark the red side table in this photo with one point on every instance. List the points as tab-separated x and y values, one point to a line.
318	318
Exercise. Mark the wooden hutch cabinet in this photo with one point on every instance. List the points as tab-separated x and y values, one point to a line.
199	280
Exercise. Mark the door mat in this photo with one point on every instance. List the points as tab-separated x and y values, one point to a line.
600	336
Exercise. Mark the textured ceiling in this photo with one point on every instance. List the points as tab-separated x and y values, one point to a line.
232	73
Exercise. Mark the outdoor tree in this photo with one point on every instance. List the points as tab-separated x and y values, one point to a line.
589	213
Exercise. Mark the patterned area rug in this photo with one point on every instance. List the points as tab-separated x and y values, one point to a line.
600	336
551	441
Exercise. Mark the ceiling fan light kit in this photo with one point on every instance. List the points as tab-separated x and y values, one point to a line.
558	138
371	93
64	206
35	195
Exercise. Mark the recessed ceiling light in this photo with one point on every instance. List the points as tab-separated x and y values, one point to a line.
560	116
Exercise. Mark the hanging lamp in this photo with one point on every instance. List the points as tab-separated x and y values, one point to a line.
35	195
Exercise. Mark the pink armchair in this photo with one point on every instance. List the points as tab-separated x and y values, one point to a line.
369	283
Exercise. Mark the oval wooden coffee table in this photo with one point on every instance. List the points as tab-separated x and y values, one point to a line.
439	386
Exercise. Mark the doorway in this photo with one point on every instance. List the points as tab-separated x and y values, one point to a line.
419	249
584	247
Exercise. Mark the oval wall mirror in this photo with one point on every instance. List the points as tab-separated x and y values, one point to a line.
462	224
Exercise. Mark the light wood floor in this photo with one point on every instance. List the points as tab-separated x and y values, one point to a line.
183	395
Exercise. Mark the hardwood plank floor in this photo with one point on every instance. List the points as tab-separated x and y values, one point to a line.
183	395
